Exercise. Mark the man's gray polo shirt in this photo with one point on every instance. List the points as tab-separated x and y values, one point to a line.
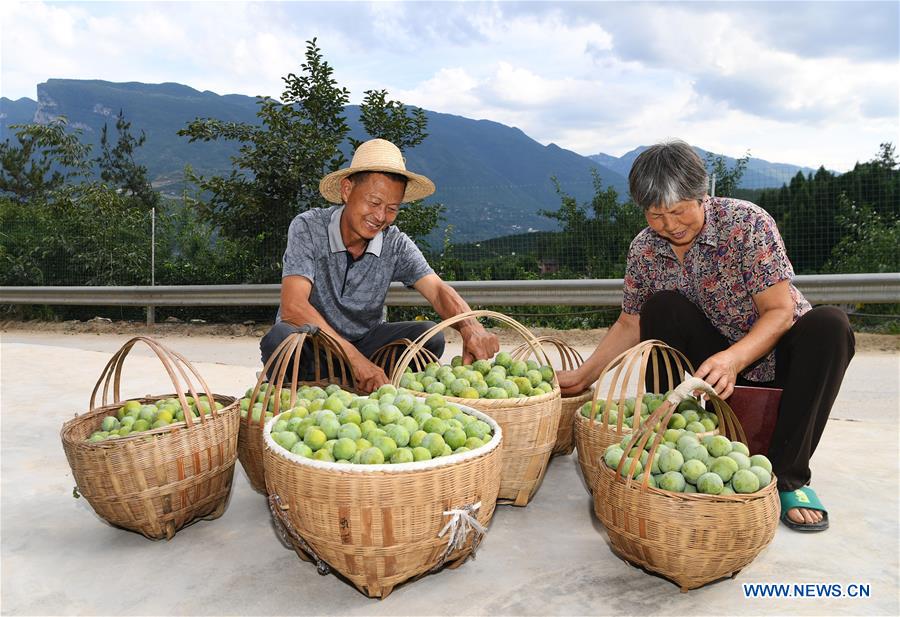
349	294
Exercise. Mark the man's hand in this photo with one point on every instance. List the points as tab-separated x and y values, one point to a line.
720	371
478	344
571	382
369	377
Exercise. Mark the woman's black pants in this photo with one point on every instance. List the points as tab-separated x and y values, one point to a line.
810	361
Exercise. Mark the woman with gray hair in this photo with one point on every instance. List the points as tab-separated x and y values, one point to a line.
710	277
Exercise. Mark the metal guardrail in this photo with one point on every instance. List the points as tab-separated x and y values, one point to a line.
818	289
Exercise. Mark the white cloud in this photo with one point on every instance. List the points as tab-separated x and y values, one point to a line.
588	76
233	47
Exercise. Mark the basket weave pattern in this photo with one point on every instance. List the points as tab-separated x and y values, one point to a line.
155	482
529	424
593	435
570	359
330	365
380	528
689	538
565	436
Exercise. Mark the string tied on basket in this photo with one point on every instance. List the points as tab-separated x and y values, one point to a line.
687	388
288	532
461	523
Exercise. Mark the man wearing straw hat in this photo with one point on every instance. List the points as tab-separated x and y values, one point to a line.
340	261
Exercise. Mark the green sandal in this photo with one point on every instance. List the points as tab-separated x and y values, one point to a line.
803	497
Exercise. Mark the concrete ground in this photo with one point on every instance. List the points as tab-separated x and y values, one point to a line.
550	558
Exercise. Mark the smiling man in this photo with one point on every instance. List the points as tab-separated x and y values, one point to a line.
340	262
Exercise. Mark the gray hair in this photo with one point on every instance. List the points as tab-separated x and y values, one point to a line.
667	173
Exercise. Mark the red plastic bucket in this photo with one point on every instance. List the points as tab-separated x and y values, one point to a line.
757	409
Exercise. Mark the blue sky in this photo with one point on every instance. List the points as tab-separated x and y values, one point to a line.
802	82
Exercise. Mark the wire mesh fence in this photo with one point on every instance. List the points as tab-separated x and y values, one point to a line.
831	223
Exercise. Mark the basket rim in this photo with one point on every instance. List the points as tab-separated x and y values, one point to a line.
638	484
496	403
395	468
586	393
71	423
321	383
609	428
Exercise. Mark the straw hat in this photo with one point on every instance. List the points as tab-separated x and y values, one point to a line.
377	155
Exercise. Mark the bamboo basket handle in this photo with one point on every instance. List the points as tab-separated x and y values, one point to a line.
423	338
111	374
180	363
334	353
727	419
640	355
387	355
174	364
624	359
210	398
290	346
287	354
570	358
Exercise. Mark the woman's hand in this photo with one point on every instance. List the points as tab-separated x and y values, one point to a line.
720	371
571	382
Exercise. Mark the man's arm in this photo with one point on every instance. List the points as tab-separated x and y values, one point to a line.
622	335
297	310
478	343
776	315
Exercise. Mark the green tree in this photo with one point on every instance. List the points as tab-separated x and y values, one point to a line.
869	243
391	120
727	180
813	211
887	156
281	159
190	252
276	173
43	159
617	224
404	127
595	237
118	167
60	227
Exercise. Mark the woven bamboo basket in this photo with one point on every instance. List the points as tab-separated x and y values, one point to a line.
381	525
386	357
529	423
689	538
155	482
330	366
627	373
570	359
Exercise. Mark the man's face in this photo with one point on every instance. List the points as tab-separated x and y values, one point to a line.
372	204
679	224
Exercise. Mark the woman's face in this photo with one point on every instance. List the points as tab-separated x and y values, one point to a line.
679	224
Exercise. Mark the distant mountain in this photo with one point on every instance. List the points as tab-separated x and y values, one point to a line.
758	174
492	178
159	110
20	111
